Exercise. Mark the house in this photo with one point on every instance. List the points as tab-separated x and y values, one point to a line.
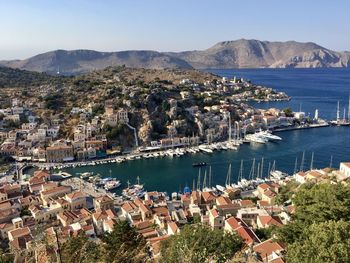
300	177
270	251
216	221
19	238
76	200
103	202
173	228
345	168
98	219
239	227
57	154
267	221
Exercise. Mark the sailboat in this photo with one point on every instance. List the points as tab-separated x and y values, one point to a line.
276	173
242	181
228	177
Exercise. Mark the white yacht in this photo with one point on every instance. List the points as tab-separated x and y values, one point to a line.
268	135
256	138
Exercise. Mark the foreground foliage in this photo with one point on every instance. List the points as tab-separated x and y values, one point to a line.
123	245
197	243
320	230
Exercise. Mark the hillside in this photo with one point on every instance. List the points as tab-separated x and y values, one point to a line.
229	54
10	77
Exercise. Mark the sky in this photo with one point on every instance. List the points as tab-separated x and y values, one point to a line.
30	27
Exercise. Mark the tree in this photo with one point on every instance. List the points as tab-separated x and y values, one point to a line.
286	192
5	257
324	242
288	112
80	249
197	244
124	245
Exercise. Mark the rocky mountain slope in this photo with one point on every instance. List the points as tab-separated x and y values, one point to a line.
229	54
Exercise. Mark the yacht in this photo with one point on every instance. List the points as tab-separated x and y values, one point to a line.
268	135
256	138
112	184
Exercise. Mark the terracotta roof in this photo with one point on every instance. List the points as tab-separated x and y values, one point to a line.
214	212
56	190
75	195
129	206
347	164
247	235
246	203
264	186
103	198
270	220
161	211
269	193
18	232
173	226
143	224
267	247
208	196
222	200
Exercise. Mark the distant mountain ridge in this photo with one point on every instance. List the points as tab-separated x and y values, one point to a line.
240	53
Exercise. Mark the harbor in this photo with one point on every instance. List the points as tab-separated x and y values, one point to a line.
174	173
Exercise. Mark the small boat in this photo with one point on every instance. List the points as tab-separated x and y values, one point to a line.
112	184
200	164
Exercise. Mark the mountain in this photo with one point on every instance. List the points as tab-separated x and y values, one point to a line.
240	53
256	54
82	61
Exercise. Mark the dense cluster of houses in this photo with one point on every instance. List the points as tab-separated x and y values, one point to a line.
64	212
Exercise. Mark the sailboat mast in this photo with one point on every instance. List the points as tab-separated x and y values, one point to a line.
230	127
205	179
312	161
338	113
253	168
302	162
209	184
295	165
262	167
349	110
241	171
331	162
269	171
199	180
258	171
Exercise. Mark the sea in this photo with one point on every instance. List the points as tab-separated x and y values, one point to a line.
310	89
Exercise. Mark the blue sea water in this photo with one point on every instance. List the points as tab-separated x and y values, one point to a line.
311	88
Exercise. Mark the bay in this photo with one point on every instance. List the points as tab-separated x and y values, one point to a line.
312	88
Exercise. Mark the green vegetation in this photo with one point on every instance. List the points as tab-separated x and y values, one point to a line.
286	192
288	112
320	228
197	244
18	78
122	245
6	257
323	242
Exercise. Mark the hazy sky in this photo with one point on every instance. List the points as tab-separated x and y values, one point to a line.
29	27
